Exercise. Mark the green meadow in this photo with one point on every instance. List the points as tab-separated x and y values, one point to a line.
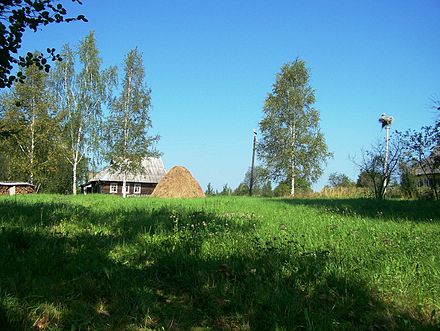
219	263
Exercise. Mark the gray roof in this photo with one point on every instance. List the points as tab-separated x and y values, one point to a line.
153	171
15	184
418	171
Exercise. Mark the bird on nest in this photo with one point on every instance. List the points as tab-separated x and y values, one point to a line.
385	120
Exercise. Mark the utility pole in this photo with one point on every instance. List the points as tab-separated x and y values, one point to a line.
386	121
387	138
251	184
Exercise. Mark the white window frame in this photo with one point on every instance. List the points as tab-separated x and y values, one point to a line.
113	188
127	188
137	189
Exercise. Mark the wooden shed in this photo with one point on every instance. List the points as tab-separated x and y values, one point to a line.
143	183
12	188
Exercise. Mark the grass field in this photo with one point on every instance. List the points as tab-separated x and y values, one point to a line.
220	263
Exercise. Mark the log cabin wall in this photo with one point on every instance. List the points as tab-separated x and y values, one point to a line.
146	188
104	187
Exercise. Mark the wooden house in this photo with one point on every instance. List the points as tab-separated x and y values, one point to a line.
142	183
427	177
427	174
12	188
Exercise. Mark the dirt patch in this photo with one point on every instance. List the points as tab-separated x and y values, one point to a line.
178	183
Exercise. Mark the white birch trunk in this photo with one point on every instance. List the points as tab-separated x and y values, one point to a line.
31	152
124	185
292	190
292	170
74	178
124	194
76	159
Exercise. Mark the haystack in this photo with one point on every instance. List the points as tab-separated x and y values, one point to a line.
178	183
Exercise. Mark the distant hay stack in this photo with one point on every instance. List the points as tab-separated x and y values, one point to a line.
178	183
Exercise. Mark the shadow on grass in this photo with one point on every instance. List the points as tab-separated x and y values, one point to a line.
146	270
411	210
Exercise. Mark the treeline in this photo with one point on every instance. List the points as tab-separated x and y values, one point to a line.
410	170
262	185
58	128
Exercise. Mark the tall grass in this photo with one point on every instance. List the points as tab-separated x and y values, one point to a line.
351	192
221	263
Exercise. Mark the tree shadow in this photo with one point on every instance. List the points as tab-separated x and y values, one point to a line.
147	270
396	210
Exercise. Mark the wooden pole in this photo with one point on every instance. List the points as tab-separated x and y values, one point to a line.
386	122
251	184
385	167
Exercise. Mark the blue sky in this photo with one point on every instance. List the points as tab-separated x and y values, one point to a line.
210	65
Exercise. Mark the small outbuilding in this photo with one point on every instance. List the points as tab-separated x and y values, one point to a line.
13	188
142	183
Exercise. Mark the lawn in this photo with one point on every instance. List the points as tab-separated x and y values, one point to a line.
220	263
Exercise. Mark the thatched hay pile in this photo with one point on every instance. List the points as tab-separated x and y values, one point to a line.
178	183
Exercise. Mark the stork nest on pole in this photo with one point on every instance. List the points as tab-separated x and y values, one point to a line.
385	120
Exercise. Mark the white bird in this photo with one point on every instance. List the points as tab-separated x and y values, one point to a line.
385	120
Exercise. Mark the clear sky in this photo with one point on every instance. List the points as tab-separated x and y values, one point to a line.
210	65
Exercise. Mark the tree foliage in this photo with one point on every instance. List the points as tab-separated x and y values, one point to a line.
266	189
373	172
261	183
209	190
340	180
80	96
30	126
226	190
408	183
52	126
16	16
242	189
366	179
292	143
283	189
128	139
422	152
31	152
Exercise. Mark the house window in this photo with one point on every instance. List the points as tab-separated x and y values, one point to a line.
127	188
113	187
137	189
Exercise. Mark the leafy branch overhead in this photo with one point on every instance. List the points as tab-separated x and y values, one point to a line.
17	16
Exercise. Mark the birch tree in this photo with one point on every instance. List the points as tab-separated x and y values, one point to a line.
80	97
128	139
26	113
373	173
292	143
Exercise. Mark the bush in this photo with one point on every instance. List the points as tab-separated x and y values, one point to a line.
282	190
